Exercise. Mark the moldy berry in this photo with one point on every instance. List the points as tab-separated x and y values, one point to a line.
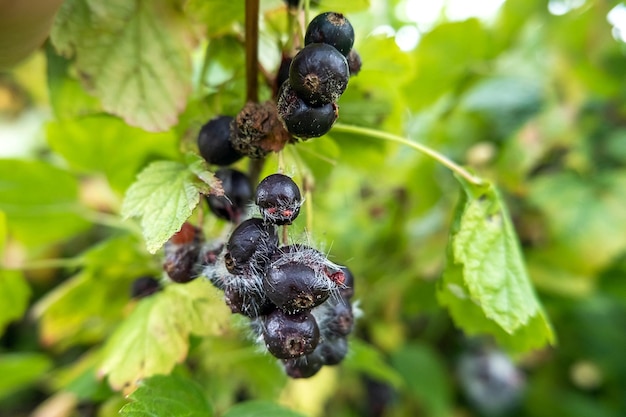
237	195
319	74
214	142
279	199
332	29
301	119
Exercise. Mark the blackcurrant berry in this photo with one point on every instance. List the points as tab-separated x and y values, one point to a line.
289	336
301	119
303	367
237	195
341	319
258	130
333	29
282	74
251	244
214	142
333	350
144	286
319	74
354	62
279	199
294	287
347	290
180	262
247	302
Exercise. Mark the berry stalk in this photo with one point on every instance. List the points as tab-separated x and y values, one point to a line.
373	133
252	50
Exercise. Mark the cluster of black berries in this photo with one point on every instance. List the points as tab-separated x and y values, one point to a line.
318	75
298	300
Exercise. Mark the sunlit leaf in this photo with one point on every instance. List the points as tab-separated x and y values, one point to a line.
155	336
163	196
485	284
132	53
167	395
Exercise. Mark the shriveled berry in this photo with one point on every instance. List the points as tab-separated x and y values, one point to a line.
319	74
187	234
279	199
144	286
214	142
237	195
290	336
258	130
294	287
180	262
301	119
251	244
354	62
303	367
333	29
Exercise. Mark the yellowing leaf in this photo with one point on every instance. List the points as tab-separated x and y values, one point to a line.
132	53
155	337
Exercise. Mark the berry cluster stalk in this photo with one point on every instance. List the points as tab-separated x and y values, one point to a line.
373	133
252	50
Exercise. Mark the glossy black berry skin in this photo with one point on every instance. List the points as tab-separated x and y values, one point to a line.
332	29
279	199
319	74
290	336
214	142
144	286
251	244
301	119
294	287
237	195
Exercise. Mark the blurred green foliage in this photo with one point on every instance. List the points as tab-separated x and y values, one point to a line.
531	100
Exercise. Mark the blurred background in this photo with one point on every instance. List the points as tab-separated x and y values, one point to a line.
529	94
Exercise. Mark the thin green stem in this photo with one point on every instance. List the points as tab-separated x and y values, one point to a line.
307	11
50	263
373	133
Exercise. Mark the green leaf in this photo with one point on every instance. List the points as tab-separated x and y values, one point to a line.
164	197
367	359
260	409
220	17
102	290
132	53
19	370
68	99
83	142
14	295
425	377
444	57
485	284
583	214
344	6
40	202
167	395
155	336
